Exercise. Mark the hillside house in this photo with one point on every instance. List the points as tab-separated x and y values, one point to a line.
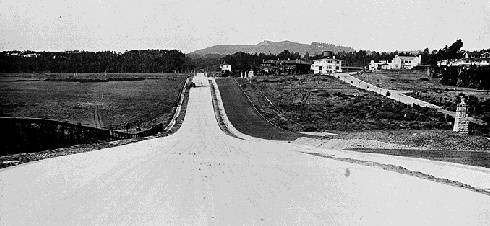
326	66
398	63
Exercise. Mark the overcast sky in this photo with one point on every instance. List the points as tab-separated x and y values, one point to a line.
55	25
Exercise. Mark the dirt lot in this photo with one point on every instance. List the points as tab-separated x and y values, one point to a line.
137	103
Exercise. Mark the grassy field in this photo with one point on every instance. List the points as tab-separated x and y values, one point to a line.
120	103
322	103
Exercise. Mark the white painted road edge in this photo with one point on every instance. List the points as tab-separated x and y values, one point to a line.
222	112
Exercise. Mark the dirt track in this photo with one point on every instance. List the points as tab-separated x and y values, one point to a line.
201	176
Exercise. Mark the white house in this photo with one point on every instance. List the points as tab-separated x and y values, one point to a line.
405	62
398	63
381	65
326	66
225	67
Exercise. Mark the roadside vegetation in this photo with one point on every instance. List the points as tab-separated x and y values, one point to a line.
322	103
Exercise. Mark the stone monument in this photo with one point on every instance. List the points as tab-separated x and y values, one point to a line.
461	117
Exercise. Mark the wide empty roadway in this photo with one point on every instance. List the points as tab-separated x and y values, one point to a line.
201	176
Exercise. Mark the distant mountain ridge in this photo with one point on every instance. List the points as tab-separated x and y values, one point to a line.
273	48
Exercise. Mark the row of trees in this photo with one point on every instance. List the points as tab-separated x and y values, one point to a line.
144	61
471	77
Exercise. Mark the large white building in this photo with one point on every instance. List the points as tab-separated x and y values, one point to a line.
326	66
398	63
225	67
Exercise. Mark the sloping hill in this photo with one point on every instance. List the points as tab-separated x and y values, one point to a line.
273	48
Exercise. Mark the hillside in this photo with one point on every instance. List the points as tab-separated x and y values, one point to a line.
273	48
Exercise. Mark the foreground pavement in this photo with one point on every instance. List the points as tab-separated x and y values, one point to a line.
201	176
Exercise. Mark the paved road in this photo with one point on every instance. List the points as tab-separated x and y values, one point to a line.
201	176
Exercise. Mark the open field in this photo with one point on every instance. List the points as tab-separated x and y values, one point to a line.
135	103
323	103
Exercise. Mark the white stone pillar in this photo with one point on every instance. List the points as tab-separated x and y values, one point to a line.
461	117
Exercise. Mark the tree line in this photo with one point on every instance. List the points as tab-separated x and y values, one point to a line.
134	61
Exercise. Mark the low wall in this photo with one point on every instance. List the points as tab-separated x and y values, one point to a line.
33	134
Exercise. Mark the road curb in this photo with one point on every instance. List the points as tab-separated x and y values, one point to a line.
220	111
